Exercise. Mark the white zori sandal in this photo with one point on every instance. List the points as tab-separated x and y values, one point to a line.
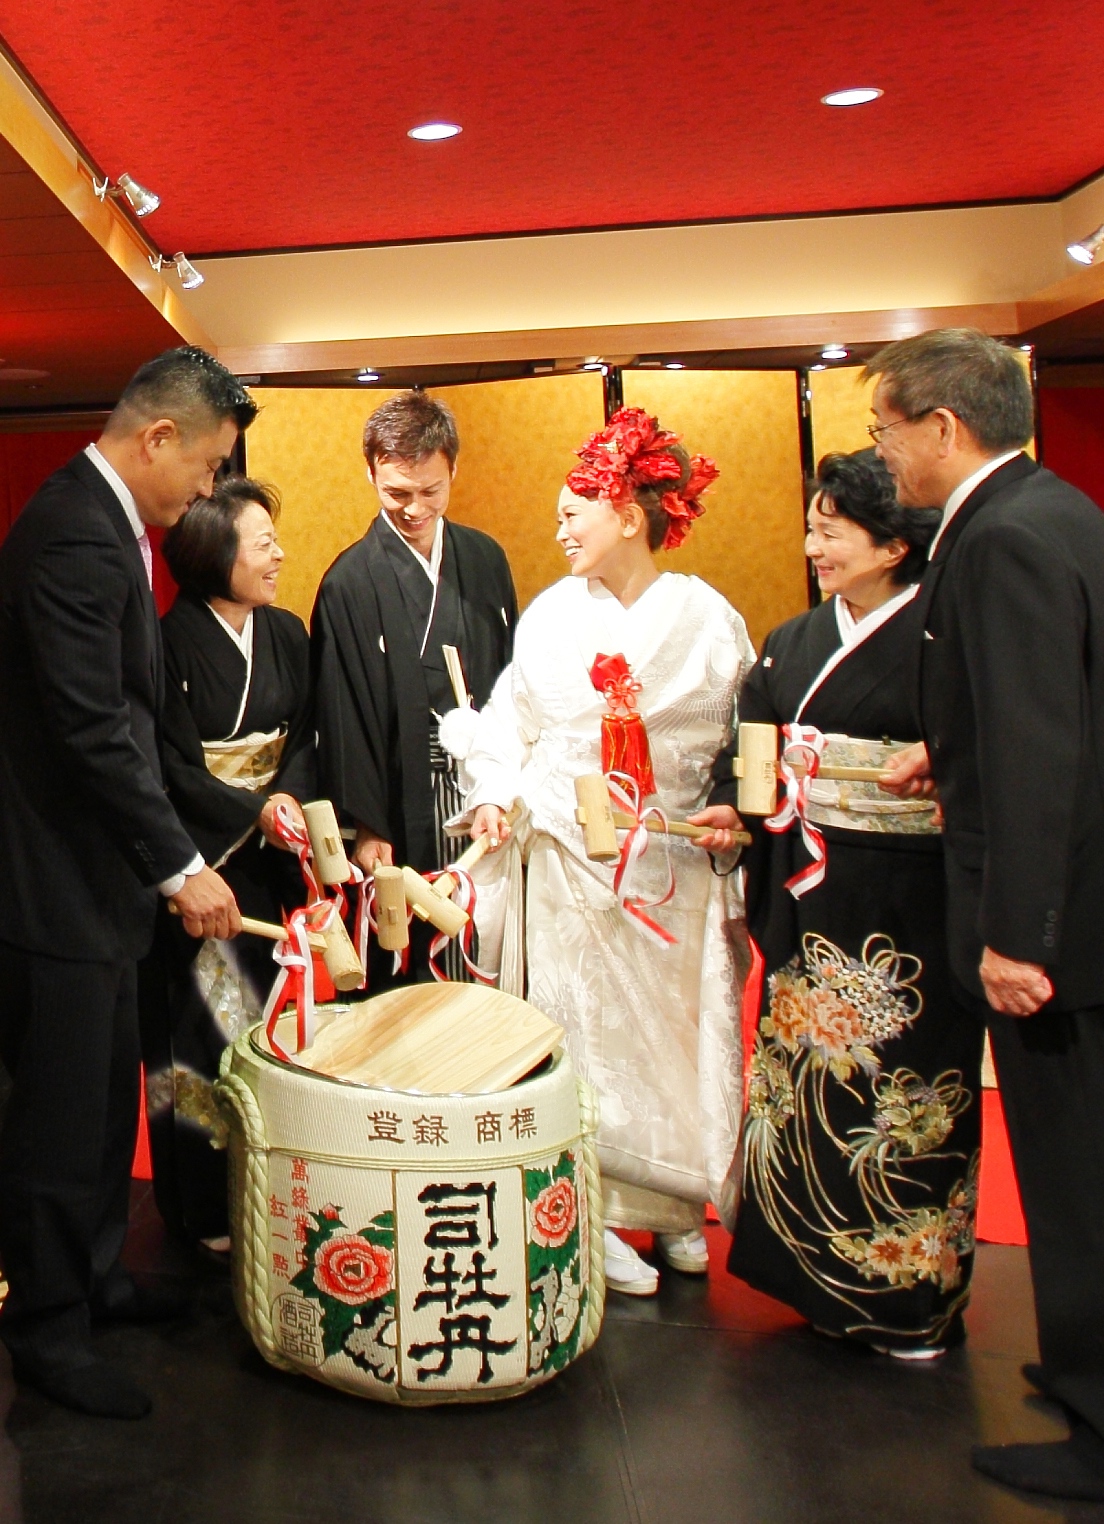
687	1252
626	1271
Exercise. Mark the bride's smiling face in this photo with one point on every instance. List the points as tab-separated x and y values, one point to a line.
592	533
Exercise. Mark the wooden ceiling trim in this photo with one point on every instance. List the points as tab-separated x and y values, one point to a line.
787	331
39	141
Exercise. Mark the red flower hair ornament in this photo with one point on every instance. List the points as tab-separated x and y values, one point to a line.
633	451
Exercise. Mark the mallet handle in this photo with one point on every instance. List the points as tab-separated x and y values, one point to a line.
675	828
270	931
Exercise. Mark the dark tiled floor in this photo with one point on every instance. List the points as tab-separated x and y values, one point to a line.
709	1403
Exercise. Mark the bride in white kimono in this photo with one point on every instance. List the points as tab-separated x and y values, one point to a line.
651	1017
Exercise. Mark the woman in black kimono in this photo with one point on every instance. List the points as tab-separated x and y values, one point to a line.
239	741
861	1141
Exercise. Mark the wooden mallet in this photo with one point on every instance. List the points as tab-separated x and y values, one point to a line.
332	867
431	902
601	822
757	770
392	926
269	930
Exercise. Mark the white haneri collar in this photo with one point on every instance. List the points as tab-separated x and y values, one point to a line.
860	630
432	567
244	643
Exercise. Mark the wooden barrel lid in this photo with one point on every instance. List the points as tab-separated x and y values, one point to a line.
431	1039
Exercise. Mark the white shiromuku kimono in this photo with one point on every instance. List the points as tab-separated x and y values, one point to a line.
655	1030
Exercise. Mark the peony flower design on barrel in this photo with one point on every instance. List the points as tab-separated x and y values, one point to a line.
351	1270
553	1214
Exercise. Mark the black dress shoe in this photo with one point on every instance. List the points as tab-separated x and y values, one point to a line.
96	1388
1058	1470
139	1304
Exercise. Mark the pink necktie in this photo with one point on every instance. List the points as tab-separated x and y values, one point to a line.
147	556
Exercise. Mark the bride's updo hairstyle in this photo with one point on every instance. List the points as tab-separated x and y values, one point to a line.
858	487
633	460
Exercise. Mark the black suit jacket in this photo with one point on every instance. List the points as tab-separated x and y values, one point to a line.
86	831
1011	701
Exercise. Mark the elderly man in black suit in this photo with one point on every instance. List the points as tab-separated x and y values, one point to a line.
87	839
1011	701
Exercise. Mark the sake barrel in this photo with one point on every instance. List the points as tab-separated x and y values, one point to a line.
411	1247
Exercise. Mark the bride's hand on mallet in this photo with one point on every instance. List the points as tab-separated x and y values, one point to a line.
489	820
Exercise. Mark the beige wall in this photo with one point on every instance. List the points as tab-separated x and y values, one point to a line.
860	263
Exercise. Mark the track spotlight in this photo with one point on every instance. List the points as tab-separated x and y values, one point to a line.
187	273
1085	251
142	201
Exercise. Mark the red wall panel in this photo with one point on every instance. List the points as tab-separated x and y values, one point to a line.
1072	419
26	460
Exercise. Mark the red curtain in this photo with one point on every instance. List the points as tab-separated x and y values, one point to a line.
26	460
1072	419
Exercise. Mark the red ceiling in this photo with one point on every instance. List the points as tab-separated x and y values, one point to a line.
283	123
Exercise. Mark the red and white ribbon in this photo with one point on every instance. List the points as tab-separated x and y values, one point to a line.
804	743
464	896
625	793
294	955
296	962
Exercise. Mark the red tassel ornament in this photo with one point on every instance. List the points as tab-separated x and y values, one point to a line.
624	739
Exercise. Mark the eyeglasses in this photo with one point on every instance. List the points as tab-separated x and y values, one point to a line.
876	430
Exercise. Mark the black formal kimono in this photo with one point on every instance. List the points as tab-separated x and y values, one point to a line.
381	686
197	997
862	1139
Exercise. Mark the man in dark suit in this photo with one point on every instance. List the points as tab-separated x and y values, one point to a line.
1011	699
87	839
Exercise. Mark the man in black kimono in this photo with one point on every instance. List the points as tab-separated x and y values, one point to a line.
385	609
1011	706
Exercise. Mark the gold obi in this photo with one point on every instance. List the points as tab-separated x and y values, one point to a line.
250	762
865	806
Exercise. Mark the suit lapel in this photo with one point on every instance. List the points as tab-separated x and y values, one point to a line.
1016	470
101	490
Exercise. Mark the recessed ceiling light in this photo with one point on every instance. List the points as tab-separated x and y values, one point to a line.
818	367
860	95
367	376
434	132
833	352
593	365
673	365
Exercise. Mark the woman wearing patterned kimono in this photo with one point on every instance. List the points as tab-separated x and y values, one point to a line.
861	1142
642	984
239	741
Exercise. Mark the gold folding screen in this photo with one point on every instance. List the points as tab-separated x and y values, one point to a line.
748	544
517	439
841	408
517	443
